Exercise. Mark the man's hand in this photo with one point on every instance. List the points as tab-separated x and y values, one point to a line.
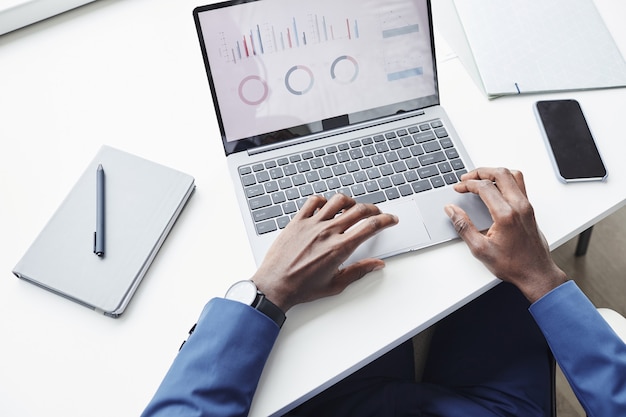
513	249
303	263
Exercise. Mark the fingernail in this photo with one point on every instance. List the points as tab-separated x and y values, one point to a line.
449	210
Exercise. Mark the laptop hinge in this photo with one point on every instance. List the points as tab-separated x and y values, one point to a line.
338	131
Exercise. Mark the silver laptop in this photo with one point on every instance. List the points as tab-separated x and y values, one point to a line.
327	96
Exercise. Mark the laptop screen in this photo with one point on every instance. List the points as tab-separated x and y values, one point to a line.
284	69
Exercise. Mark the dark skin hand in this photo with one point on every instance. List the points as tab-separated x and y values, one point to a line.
513	249
303	264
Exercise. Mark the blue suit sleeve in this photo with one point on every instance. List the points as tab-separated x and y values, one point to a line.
217	370
590	354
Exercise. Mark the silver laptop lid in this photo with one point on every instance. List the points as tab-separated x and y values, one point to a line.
286	69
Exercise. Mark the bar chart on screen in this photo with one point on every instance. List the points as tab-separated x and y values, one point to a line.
267	37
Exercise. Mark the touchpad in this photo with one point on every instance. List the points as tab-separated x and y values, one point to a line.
408	234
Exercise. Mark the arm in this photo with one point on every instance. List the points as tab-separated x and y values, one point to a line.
217	370
590	354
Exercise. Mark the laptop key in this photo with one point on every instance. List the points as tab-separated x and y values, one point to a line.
266	227
290	169
260	202
278	197
392	193
306	190
271	187
248	180
262	176
283	222
266	213
373	198
452	153
441	132
437	182
320	187
423	185
255	191
450	178
405	190
292	194
289	207
371	186
316	163
432	158
432	147
457	164
428	172
424	136
298	180
357	190
325	173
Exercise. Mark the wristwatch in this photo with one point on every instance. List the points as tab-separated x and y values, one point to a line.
247	292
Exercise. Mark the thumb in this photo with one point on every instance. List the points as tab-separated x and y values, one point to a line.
463	225
356	271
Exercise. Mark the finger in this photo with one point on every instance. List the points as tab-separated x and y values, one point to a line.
465	227
499	188
502	177
310	206
355	272
335	205
490	195
509	182
355	214
367	228
519	179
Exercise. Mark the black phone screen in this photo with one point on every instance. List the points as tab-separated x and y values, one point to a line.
573	148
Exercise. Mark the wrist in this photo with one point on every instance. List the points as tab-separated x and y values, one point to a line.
535	289
248	293
277	294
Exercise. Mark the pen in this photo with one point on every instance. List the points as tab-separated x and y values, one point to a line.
98	245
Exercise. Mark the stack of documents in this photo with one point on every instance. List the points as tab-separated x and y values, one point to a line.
142	201
533	46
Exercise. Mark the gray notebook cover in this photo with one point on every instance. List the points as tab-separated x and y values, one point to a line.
142	201
533	46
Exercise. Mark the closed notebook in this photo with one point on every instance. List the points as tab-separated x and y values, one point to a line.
537	46
142	202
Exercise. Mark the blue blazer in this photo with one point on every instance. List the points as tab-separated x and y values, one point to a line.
218	369
590	354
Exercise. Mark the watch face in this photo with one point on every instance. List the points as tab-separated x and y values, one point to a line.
242	291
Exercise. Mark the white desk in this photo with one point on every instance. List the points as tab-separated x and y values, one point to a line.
129	74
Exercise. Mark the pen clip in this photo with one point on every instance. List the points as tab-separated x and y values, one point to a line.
94	242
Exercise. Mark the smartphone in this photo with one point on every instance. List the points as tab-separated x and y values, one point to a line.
572	149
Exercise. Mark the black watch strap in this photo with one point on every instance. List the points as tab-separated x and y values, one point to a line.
270	309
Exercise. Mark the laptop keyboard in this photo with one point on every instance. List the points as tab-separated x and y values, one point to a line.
372	169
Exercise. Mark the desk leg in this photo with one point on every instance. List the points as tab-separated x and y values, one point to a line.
583	242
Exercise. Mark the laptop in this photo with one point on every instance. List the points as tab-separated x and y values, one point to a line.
326	96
